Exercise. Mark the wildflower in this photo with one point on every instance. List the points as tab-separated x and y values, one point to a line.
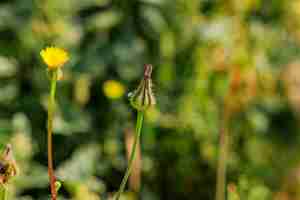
113	89
54	57
143	98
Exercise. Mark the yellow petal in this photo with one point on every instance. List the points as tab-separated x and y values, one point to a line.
54	57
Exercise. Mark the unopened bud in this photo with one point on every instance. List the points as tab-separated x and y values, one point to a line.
143	98
8	166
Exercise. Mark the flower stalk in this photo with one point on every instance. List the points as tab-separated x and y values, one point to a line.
51	110
54	58
141	100
3	193
228	111
139	124
223	151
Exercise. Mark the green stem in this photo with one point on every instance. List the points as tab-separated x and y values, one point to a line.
4	193
139	123
221	171
51	109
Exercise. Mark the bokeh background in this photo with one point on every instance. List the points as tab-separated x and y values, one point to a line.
199	49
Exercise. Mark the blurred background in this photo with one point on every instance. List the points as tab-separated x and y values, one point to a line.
199	49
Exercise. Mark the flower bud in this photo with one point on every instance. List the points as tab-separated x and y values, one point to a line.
8	167
143	98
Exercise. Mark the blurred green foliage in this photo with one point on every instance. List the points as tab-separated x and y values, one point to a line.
197	47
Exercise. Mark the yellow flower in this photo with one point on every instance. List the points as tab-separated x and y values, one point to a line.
54	57
113	89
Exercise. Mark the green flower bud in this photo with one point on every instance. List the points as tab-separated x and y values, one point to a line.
143	98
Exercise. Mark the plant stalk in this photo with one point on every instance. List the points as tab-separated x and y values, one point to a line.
139	123
51	109
4	193
223	151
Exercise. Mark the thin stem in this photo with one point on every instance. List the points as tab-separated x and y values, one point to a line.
51	109
4	192
221	171
139	123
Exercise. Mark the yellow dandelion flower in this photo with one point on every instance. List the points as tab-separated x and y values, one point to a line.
54	57
113	89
